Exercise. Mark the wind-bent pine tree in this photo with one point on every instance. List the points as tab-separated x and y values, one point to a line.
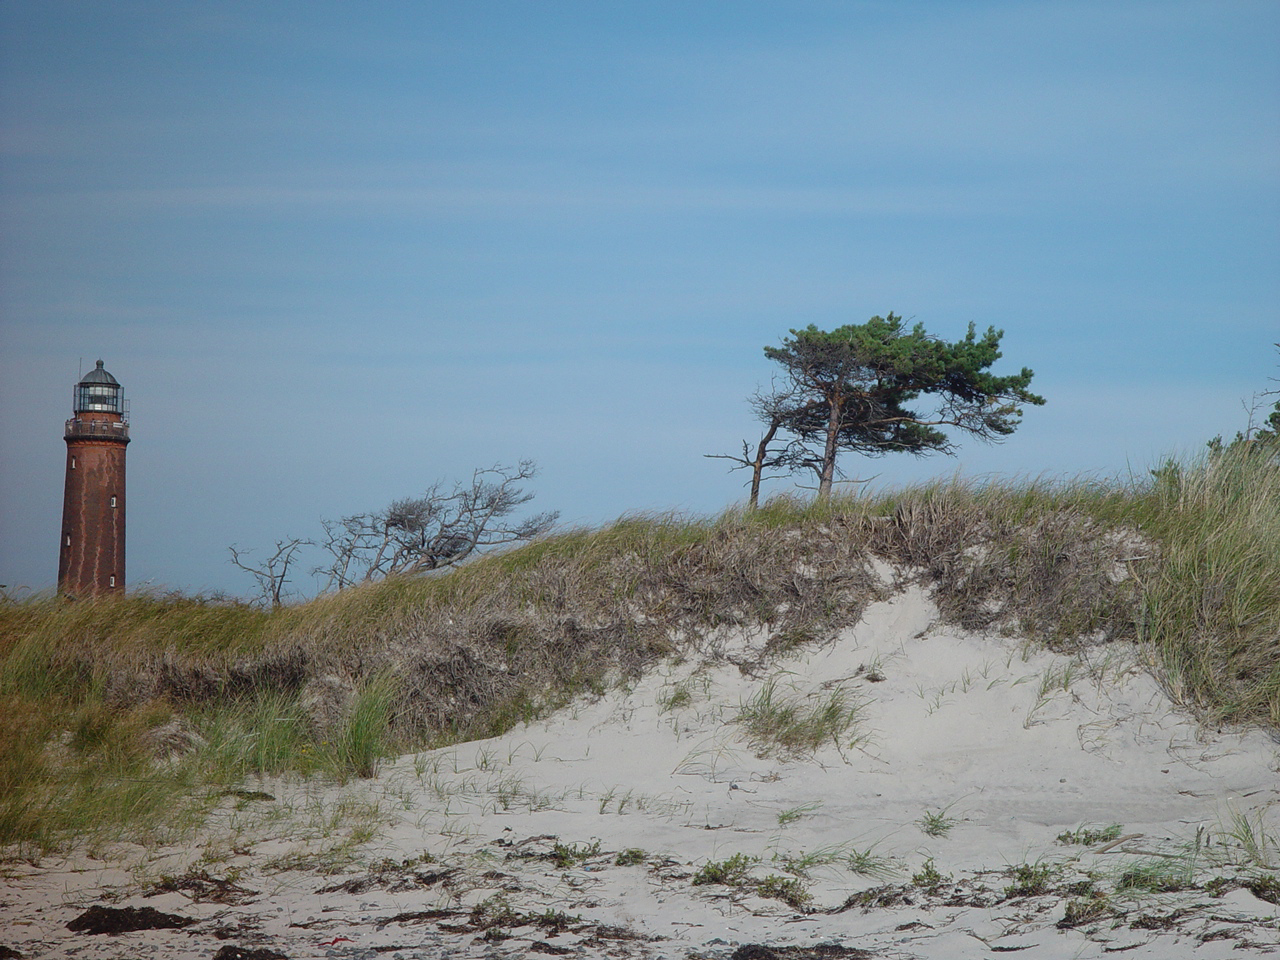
861	387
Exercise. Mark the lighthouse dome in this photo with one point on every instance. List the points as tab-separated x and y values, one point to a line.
99	375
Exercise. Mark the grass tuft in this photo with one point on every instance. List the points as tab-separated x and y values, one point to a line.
630	857
796	724
1158	876
868	863
731	872
929	879
1259	847
937	823
1087	836
363	738
565	855
1030	880
1088	909
788	890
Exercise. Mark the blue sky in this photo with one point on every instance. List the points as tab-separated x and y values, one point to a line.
337	251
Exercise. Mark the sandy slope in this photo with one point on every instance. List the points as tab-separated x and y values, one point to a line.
1006	749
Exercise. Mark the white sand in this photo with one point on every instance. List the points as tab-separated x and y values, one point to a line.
1008	748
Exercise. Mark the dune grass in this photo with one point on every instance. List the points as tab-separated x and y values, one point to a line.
792	724
1211	607
131	714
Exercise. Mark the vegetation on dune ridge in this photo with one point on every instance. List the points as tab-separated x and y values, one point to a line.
91	693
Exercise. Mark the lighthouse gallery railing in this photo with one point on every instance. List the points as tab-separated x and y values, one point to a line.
107	429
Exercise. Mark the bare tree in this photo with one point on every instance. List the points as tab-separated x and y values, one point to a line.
774	410
439	529
273	573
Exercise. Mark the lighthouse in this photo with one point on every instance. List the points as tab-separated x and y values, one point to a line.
91	558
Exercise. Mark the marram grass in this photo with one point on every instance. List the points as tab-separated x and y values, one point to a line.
1211	607
1186	562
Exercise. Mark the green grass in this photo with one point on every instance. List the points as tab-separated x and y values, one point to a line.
1158	876
801	864
1030	880
795	814
929	879
788	890
729	873
735	872
256	736
363	737
1186	562
794	724
1249	835
1088	909
868	863
936	823
565	855
1211	607
86	773
1087	836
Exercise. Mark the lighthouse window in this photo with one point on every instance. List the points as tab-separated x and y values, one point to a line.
113	582
98	396
113	501
73	463
68	540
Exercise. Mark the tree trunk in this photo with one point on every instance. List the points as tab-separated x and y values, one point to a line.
828	473
757	468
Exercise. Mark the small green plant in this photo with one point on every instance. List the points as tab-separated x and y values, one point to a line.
387	865
553	921
568	855
868	863
784	642
730	873
1219	885
795	813
676	697
928	879
799	864
1086	909
630	857
1264	888
493	912
789	890
495	916
936	823
508	790
1259	847
1086	836
1029	880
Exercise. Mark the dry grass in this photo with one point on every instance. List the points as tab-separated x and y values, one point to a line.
1188	562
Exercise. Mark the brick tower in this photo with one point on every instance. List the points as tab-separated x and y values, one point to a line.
91	560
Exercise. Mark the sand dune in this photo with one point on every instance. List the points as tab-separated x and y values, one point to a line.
933	826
